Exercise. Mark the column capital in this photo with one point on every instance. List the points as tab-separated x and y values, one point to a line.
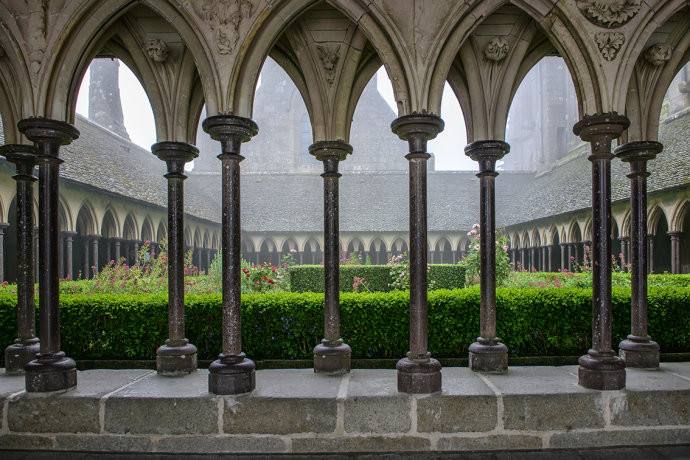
487	153
674	234
600	129
637	153
68	234
39	129
231	131
175	155
330	152
417	129
24	158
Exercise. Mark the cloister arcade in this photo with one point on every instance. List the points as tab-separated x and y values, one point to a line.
190	55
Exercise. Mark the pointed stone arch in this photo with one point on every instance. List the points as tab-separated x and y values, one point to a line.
147	229
162	232
130	228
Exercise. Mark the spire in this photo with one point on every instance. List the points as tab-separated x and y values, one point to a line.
105	105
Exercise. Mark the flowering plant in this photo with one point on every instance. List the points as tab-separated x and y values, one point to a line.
471	262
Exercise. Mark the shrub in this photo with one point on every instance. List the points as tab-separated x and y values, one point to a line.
532	322
377	278
472	261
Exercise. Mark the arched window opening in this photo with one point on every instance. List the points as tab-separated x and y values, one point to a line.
660	246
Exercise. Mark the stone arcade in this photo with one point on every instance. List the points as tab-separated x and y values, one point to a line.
208	52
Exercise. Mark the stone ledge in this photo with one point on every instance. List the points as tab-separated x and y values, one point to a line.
295	410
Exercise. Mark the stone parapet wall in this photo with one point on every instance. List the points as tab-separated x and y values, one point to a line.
298	411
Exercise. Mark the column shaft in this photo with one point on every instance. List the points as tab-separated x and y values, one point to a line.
94	255
69	261
675	252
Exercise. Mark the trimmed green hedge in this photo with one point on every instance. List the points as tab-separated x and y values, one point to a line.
309	278
532	322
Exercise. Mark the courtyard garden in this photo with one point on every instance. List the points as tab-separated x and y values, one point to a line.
121	314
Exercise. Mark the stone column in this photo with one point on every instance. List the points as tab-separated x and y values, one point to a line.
94	255
626	253
639	350
564	265
522	258
418	372
488	353
86	261
332	355
601	368
549	258
232	372
116	248
26	345
675	252
650	254
69	253
176	356
52	370
532	259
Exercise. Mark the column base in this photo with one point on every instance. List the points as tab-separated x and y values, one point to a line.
488	356
639	352
332	358
419	376
50	373
601	371
18	355
231	375
176	358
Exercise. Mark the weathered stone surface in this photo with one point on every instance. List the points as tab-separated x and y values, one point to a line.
648	408
490	442
220	444
279	415
163	405
374	405
621	438
466	404
25	441
682	369
361	444
9	385
72	411
103	443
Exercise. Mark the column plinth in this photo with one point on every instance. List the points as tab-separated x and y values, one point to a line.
332	356
26	346
488	354
601	368
639	350
232	372
176	356
418	372
51	370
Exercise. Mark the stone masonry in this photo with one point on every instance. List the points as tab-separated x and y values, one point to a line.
297	411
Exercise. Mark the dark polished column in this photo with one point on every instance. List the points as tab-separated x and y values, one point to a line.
675	252
86	261
418	372
650	255
69	252
639	350
3	227
232	372
52	370
488	353
601	368
332	355
564	265
116	247
549	258
176	356
522	258
25	346
94	255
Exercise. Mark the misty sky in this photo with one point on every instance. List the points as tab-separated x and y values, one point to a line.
447	147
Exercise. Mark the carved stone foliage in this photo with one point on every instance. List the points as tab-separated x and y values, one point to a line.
609	44
329	56
497	49
35	33
157	49
657	54
225	18
609	13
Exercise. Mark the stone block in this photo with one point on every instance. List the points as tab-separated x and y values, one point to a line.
353	444
677	368
25	442
373	404
250	414
163	405
221	444
601	438
71	411
490	442
552	412
651	408
466	405
102	443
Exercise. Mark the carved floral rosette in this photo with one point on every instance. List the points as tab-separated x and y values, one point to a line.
609	13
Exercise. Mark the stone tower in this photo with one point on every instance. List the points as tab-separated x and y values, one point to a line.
105	106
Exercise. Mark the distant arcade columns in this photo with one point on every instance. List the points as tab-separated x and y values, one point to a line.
51	370
68	254
638	349
488	353
232	372
332	356
176	356
26	346
675	252
418	372
601	368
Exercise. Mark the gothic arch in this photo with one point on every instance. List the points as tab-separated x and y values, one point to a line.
525	241
110	224
196	242
206	242
147	229
655	213
129	228
535	238
678	216
574	232
162	231
86	222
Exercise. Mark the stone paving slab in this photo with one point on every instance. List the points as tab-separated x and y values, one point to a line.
297	411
